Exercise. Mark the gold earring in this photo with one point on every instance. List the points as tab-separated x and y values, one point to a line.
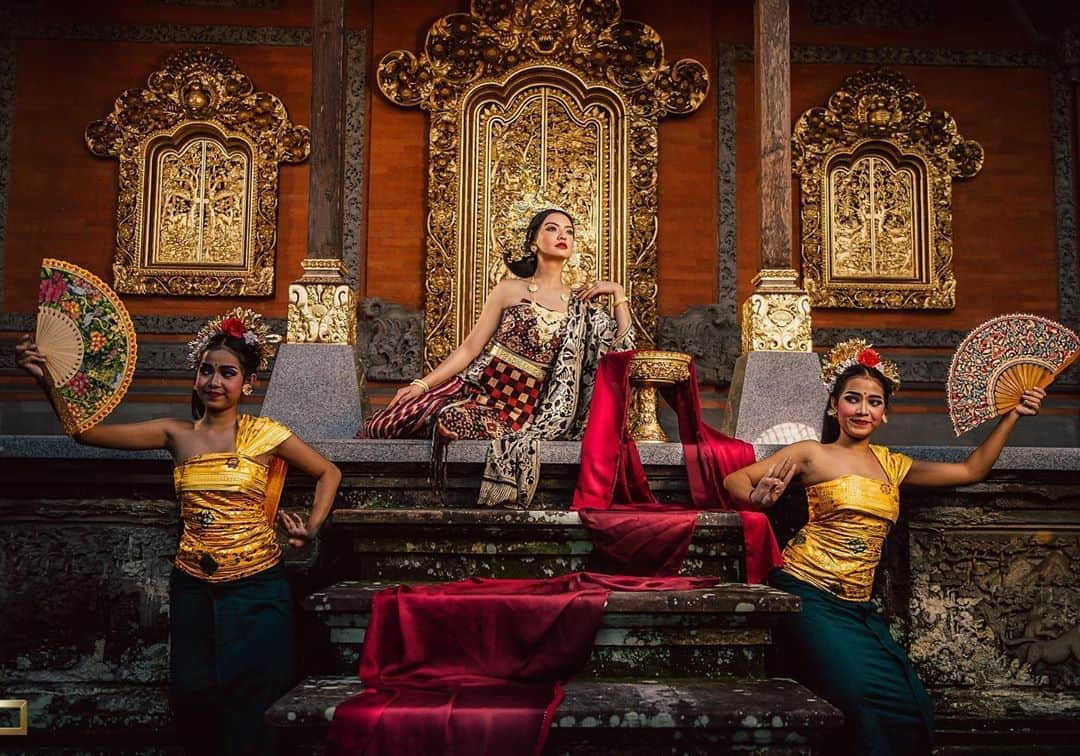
247	389
885	419
831	412
533	248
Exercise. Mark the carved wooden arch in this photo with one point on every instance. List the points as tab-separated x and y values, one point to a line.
199	149
875	174
535	103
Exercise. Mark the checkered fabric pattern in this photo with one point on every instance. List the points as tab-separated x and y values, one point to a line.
513	392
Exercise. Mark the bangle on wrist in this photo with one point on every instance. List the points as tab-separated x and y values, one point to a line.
421	383
619	301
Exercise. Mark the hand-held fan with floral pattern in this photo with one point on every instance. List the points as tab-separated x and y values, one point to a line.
1000	360
88	341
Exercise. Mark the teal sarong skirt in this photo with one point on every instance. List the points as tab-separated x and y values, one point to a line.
843	652
231	657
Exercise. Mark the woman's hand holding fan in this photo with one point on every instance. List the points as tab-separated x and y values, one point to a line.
84	349
1005	364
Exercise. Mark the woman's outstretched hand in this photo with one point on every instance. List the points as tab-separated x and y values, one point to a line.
298	532
1030	401
773	484
29	358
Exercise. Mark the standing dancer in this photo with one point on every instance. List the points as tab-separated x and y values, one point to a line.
230	618
838	646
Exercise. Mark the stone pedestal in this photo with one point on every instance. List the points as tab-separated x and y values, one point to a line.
776	398
315	391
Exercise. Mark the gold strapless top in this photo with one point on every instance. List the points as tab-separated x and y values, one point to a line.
839	548
226	533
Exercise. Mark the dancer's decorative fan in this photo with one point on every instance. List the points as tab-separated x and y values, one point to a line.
88	341
1000	360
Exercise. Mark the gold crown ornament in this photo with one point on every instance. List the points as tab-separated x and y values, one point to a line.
848	354
241	323
523	211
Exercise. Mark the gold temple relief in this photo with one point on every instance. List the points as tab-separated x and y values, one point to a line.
199	150
875	171
322	309
776	317
539	102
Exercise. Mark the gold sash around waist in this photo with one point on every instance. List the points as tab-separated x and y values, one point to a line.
513	359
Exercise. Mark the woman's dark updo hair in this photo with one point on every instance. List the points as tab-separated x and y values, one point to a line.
830	427
526	266
245	352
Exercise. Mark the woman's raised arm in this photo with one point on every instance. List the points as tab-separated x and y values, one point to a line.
149	434
978	464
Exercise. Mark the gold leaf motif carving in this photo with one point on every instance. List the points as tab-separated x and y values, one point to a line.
875	174
322	309
539	98
776	322
197	207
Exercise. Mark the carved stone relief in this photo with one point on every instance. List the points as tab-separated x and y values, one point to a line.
996	607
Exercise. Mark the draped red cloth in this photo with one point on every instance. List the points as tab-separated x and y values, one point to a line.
475	667
635	533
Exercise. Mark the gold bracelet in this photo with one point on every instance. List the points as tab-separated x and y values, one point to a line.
421	383
619	301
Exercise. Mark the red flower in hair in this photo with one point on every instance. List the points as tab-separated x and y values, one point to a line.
869	358
233	327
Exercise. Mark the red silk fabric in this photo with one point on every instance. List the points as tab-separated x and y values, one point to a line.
474	667
633	531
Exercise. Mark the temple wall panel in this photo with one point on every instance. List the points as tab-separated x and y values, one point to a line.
62	199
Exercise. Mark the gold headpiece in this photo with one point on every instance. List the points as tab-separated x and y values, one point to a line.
521	212
854	352
241	323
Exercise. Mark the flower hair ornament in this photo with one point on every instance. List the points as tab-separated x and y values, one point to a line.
240	323
848	354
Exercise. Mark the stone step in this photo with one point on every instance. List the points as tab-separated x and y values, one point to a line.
604	717
709	633
450	544
396	473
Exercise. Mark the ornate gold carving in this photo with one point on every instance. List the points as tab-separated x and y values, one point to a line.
875	171
776	317
539	98
199	150
322	309
649	369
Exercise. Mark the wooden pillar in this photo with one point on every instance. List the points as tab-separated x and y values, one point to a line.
776	317
776	394
321	304
317	386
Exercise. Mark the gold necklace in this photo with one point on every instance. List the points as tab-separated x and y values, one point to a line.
548	322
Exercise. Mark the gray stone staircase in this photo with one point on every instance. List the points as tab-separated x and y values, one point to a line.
671	672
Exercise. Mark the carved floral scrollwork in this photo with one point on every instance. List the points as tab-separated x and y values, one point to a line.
875	170
199	149
539	99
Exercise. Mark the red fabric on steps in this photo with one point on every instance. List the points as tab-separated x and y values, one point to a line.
475	667
612	478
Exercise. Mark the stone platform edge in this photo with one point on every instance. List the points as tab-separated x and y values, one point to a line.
412	452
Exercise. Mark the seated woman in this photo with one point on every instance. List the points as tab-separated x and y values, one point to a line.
838	646
524	373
